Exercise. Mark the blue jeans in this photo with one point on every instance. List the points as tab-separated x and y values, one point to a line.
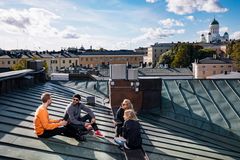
119	141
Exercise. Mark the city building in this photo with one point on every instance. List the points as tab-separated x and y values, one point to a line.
64	59
213	35
6	61
154	52
97	58
211	66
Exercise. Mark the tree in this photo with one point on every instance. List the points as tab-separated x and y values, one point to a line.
45	65
183	54
206	52
233	49
21	64
182	57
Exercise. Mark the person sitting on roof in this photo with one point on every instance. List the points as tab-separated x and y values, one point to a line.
118	119
131	132
73	116
44	126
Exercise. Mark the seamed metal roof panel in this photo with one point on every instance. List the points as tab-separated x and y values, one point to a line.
164	137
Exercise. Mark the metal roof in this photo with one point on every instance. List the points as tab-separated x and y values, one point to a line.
171	132
17	139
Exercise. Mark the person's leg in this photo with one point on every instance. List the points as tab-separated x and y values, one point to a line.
75	132
50	133
118	130
94	125
119	141
89	118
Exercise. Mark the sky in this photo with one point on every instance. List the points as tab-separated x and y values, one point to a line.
111	24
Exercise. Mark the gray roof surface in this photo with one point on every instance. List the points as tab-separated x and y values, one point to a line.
17	139
175	131
4	57
17	73
115	52
211	60
164	71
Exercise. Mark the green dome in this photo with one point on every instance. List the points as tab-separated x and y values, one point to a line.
214	22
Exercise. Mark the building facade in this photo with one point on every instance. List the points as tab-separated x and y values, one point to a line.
63	59
213	35
154	52
210	66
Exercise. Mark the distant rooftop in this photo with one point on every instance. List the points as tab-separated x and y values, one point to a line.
211	60
115	52
230	75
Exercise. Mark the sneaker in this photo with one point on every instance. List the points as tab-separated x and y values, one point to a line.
98	133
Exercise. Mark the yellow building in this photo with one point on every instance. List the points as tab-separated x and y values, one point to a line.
6	61
154	52
211	66
93	59
63	59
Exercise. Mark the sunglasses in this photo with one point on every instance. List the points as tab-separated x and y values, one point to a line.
75	99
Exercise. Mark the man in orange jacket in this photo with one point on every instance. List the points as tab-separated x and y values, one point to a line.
43	126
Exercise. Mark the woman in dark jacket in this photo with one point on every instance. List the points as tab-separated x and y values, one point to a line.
131	132
119	120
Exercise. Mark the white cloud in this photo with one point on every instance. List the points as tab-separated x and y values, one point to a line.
69	33
191	18
33	22
182	7
169	23
157	33
223	29
235	35
203	32
149	36
151	1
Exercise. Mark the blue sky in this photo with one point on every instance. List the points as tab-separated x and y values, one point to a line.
111	24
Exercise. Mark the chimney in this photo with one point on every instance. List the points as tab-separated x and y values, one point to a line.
214	56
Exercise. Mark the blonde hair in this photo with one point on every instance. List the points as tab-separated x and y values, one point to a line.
129	104
129	114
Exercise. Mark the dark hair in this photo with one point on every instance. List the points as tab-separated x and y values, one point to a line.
45	97
77	96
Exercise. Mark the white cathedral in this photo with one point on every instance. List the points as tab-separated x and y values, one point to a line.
213	36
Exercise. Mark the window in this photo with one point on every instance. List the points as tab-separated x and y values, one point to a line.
8	62
70	61
14	62
203	66
63	61
203	72
214	66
